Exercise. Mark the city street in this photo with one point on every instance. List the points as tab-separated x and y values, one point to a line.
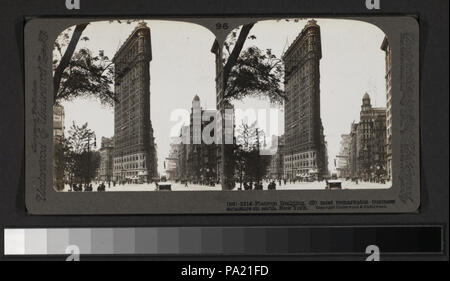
196	187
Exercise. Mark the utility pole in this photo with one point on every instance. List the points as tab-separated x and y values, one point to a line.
258	157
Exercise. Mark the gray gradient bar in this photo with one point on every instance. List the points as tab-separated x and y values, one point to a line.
233	240
146	240
81	238
255	241
35	241
224	240
57	241
190	240
102	241
14	241
212	240
124	241
168	240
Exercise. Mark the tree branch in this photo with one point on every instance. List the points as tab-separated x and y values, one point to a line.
236	51
66	59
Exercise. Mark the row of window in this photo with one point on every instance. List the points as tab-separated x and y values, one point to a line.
300	164
128	166
301	156
129	158
129	56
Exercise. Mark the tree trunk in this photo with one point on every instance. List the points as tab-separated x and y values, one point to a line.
236	51
65	60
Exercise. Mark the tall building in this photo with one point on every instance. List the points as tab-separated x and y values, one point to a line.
172	162
371	141
353	151
201	156
324	144
276	166
134	145
364	138
378	143
343	159
305	146
182	164
106	151
388	61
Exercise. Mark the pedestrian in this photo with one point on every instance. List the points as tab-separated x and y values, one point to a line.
101	187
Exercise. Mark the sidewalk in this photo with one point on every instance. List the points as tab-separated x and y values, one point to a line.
196	187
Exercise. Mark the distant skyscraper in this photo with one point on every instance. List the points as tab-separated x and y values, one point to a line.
201	156
276	166
371	140
134	147
305	147
106	159
388	61
342	165
171	165
353	151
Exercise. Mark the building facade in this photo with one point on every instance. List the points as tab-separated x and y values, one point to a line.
172	162
364	137
367	149
305	146
379	164
197	158
353	151
343	159
105	172
134	145
182	164
371	141
388	62
276	166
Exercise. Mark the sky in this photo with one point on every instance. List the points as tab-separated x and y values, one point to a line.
182	66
